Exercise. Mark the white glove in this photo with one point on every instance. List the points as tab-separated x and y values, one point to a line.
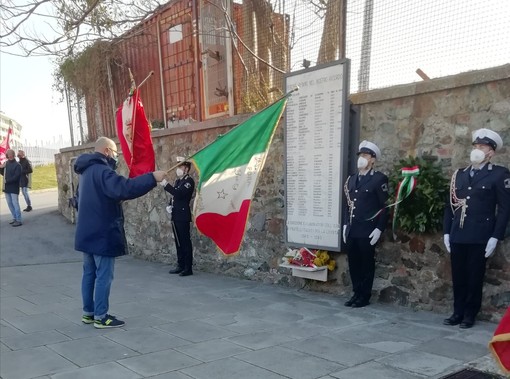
344	235
375	235
491	246
446	239
163	183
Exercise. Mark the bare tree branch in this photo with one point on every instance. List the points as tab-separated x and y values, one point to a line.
63	27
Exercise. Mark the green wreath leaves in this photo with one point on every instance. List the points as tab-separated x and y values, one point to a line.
422	211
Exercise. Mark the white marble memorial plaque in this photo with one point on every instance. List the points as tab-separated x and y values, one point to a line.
314	133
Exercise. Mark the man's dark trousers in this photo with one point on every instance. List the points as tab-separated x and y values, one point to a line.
183	245
468	271
361	257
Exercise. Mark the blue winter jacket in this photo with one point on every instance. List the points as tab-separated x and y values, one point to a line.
100	225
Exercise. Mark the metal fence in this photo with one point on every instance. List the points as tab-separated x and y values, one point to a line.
40	156
387	41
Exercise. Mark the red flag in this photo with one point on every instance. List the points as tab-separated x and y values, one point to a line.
5	145
500	343
133	130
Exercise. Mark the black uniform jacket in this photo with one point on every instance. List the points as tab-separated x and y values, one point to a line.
181	191
369	195
487	210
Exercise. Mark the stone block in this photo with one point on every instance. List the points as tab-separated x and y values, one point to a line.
394	295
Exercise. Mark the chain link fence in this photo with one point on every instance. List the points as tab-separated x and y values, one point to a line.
215	58
388	41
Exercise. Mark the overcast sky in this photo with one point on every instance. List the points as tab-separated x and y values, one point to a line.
26	95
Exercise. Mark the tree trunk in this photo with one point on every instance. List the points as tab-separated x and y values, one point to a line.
332	32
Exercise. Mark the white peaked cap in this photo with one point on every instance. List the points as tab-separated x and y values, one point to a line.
370	148
487	137
180	159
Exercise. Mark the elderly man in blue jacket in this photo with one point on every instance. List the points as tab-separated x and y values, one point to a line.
475	219
100	226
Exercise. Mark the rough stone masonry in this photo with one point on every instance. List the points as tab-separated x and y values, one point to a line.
432	118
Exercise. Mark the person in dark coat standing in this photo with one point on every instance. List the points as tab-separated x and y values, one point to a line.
475	219
365	195
100	226
11	171
179	208
26	171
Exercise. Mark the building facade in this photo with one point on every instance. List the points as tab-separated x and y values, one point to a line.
5	123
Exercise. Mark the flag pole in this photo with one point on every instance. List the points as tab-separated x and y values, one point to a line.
147	78
133	116
263	109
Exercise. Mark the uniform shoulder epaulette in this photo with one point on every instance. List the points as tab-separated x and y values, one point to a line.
500	168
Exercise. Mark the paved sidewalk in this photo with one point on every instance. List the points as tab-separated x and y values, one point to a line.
203	326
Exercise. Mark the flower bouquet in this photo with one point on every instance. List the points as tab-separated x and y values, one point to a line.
305	257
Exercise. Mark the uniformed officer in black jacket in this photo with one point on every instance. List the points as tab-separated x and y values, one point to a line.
179	207
365	195
475	218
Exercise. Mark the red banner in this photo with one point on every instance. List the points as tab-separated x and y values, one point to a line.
5	145
134	132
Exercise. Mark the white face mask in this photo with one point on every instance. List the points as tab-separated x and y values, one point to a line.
179	172
362	162
477	156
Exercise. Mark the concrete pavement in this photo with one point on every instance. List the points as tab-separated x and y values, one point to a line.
203	326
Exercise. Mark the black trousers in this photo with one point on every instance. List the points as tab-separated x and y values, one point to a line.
468	271
182	239
361	257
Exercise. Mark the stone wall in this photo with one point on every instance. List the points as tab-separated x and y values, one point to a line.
433	118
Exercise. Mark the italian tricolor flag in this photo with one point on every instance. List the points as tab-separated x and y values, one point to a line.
228	170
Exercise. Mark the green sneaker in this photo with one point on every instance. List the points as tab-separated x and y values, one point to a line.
87	319
108	321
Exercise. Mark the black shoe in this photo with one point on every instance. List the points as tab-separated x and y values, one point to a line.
467	323
16	223
107	322
360	303
453	320
176	270
186	273
27	209
351	301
